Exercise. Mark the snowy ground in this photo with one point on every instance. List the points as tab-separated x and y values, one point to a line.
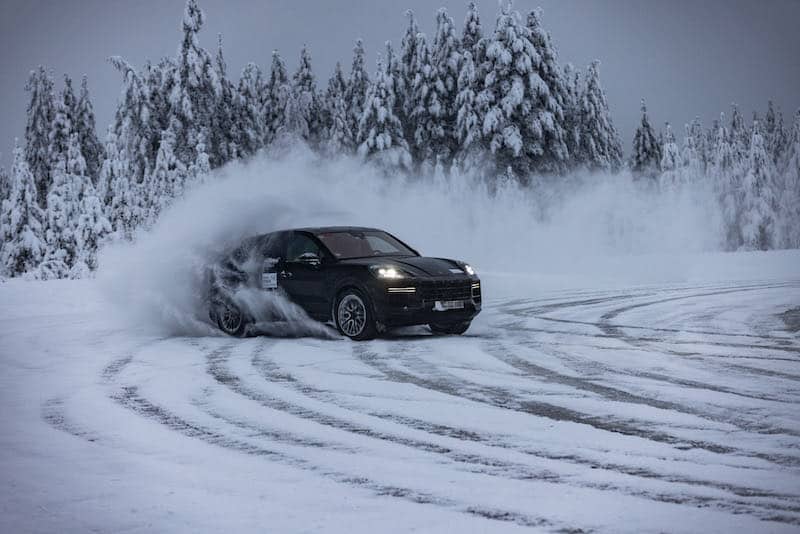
669	406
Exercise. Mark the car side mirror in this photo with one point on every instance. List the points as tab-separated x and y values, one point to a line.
309	258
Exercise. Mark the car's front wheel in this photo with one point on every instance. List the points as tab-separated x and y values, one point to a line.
231	319
453	329
354	316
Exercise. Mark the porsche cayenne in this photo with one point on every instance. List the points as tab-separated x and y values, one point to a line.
362	280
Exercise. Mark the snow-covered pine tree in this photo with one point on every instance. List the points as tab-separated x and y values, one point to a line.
63	123
120	196
167	180
339	139
92	225
295	125
775	137
86	220
394	71
468	126
63	211
522	122
5	189
160	81
692	168
105	175
721	159
383	143
22	245
409	69
132	123
357	86
277	96
225	131
85	127
446	57
739	137
426	109
600	147
92	229
305	123
250	109
549	152
710	142
670	161
325	102
201	166
700	143
41	111
727	184
472	32
789	206
572	115
759	197
196	89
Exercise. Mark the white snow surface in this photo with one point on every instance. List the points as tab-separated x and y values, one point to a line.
665	401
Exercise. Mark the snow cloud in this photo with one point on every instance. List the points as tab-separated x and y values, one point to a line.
590	224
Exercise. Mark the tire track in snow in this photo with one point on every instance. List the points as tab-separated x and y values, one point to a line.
613	329
694	384
489	466
449	384
485	465
609	329
54	413
129	397
616	331
224	439
500	352
762	510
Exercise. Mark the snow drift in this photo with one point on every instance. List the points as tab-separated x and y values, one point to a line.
575	226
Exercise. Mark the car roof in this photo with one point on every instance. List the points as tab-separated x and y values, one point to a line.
332	229
316	230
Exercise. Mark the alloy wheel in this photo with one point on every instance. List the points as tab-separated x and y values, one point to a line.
352	315
230	320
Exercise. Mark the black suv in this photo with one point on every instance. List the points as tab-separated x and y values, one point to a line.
362	279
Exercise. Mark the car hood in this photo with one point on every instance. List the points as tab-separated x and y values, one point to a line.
416	265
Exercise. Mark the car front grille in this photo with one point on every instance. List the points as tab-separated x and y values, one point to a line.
446	290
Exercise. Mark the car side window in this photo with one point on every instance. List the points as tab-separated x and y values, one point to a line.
301	244
272	245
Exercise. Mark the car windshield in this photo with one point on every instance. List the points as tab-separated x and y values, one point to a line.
357	244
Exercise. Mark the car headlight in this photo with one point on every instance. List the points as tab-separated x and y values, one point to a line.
469	270
387	272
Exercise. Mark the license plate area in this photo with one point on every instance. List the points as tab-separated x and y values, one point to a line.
446	305
269	280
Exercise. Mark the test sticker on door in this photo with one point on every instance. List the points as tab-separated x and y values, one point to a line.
269	280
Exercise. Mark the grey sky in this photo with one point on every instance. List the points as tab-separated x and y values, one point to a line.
685	57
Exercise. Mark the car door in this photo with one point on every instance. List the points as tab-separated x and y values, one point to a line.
301	279
273	248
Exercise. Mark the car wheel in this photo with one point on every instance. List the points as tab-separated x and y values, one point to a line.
453	329
231	319
354	317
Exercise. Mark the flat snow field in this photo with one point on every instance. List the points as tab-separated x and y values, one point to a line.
668	406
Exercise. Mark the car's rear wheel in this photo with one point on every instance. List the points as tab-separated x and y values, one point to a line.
452	329
354	316
231	319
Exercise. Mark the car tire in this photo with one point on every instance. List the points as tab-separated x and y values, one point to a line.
354	315
231	320
451	329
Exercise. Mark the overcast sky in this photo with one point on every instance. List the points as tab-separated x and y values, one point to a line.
685	57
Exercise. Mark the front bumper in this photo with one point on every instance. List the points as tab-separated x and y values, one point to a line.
414	302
